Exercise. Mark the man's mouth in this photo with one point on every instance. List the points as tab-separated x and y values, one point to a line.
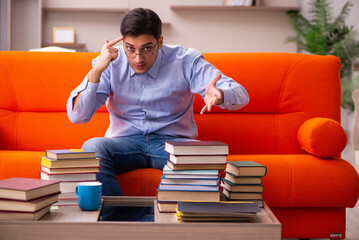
139	66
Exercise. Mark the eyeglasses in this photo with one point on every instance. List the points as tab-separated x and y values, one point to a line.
145	52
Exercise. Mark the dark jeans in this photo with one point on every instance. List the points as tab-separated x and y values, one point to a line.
123	154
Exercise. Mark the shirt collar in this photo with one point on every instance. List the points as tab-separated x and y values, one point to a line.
153	72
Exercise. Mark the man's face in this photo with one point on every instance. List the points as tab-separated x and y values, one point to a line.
142	51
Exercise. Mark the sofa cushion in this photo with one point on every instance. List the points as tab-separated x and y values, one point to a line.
303	180
24	164
322	137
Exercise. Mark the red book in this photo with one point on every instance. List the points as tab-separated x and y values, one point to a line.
27	188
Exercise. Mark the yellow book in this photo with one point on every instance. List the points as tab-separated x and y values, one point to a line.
85	162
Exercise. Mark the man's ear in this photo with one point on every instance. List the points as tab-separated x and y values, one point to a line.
160	42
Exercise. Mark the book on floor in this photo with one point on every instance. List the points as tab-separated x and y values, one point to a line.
177	167
28	206
69	154
246	168
23	216
27	188
256	188
69	163
196	148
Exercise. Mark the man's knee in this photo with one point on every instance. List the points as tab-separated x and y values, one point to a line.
97	144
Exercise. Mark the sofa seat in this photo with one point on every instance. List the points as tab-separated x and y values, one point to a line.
296	181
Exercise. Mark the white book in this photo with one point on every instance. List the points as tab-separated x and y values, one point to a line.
190	181
198	159
69	177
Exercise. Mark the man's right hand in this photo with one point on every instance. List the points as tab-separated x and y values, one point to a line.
108	54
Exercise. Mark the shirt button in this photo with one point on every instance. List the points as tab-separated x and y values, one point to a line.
227	103
143	86
144	120
143	107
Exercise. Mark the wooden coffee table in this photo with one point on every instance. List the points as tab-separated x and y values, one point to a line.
69	222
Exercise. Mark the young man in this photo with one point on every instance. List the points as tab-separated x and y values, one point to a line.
149	91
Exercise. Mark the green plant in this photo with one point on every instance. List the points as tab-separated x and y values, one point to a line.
323	35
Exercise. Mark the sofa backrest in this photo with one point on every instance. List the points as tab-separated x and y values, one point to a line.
285	90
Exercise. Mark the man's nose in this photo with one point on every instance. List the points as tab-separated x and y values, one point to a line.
139	58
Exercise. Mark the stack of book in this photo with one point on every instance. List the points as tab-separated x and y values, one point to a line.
243	181
69	166
216	211
191	173
27	199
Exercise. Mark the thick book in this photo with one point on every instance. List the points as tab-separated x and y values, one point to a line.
242	180
167	170
176	167
167	207
246	168
241	187
69	154
219	209
190	181
196	148
67	163
70	170
28	206
67	199
184	192
241	195
23	216
69	176
27	188
198	159
216	211
68	187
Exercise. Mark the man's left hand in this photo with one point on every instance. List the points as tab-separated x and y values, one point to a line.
213	95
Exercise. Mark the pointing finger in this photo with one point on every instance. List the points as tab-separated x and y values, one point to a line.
203	109
113	42
215	79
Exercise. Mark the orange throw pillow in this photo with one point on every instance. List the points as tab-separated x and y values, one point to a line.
322	137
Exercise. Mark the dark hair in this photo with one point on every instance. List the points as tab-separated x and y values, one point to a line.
141	21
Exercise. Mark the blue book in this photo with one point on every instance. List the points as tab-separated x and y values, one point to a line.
188	188
167	170
190	181
69	154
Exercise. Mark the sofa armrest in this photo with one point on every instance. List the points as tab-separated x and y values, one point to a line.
322	137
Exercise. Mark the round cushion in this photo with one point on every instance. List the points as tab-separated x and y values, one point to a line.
322	137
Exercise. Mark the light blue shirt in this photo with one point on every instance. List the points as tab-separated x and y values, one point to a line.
159	101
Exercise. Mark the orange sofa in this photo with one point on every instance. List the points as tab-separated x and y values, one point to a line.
308	192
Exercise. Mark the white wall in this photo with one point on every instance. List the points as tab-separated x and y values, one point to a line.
205	30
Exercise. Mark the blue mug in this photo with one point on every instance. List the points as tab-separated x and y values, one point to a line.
89	195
